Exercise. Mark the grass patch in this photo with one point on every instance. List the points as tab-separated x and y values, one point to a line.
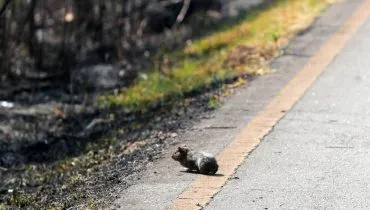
239	49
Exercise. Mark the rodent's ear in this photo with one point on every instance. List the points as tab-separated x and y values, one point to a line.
183	149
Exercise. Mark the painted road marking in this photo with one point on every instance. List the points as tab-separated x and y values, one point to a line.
201	191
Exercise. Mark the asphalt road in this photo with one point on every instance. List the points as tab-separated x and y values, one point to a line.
316	157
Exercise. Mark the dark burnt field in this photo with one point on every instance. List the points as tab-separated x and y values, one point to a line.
60	148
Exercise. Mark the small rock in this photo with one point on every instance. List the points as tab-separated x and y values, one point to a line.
98	76
10	181
6	104
121	73
180	112
173	135
143	76
162	137
157	119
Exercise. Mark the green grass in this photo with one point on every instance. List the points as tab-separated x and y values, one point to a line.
238	49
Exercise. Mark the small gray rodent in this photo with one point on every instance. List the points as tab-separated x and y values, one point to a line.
200	162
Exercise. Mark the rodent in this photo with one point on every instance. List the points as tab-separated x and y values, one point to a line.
200	162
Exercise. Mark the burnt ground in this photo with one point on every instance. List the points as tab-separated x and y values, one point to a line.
58	148
75	166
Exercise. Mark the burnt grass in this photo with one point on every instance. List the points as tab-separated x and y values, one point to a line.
75	167
60	149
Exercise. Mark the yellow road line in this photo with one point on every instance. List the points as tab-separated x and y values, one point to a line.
201	191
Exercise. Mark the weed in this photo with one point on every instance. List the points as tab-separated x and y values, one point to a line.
214	102
239	49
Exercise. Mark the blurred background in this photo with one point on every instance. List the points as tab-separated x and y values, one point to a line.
56	42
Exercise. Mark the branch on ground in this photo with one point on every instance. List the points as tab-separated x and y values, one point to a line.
182	13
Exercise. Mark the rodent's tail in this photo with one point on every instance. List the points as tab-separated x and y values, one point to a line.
208	168
215	169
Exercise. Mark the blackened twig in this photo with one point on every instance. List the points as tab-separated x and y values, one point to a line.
182	13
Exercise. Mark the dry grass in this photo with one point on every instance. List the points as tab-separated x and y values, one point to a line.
243	48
